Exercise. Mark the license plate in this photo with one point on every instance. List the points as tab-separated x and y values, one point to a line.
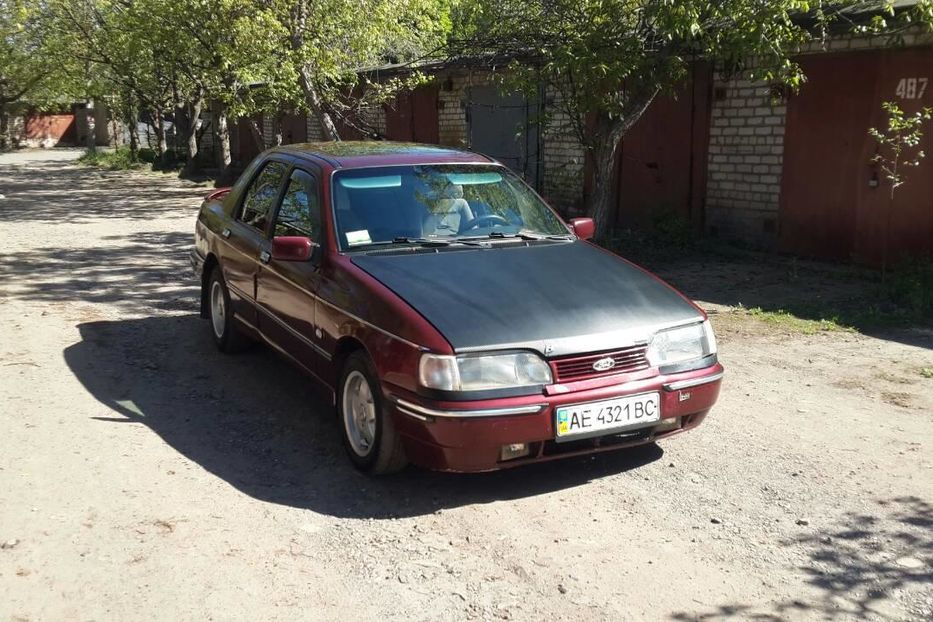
607	416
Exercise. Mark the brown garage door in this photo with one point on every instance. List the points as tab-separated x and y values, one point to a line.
413	118
662	160
830	206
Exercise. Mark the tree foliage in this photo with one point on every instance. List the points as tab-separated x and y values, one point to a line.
605	61
174	57
899	143
26	75
898	150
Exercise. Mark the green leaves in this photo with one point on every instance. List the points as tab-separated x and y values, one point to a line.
897	144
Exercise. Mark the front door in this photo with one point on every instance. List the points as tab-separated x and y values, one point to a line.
286	288
246	236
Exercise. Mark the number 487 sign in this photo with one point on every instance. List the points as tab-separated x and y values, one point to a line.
911	88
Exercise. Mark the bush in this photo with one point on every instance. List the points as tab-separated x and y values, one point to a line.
120	159
910	287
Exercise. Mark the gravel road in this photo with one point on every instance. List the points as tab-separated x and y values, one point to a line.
143	475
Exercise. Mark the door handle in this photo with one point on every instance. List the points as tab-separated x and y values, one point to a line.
225	233
265	256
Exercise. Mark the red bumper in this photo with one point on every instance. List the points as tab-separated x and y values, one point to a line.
469	436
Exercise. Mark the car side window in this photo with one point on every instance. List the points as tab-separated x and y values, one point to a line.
300	212
261	195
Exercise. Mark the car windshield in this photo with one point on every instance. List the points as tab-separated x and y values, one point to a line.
437	204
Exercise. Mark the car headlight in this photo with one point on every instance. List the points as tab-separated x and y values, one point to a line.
682	344
482	372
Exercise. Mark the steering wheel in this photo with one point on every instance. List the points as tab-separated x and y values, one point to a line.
479	221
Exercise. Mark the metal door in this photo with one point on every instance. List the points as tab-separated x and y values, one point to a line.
662	159
414	116
834	199
504	126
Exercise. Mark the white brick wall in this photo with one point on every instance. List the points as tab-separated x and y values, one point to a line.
315	131
375	116
746	154
451	111
562	159
267	133
911	37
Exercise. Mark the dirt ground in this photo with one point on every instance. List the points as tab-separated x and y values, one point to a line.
143	475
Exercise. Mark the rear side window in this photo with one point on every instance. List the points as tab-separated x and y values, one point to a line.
261	195
300	213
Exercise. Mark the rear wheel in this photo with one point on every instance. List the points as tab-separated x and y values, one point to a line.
369	435
223	328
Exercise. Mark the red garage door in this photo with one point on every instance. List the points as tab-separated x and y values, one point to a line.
662	160
834	200
414	116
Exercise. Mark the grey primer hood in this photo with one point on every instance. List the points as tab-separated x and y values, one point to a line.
557	298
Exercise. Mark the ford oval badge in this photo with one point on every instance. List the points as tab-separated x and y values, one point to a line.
604	364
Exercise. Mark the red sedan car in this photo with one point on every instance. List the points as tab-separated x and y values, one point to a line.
454	319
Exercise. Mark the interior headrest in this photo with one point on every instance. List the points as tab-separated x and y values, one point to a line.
453	191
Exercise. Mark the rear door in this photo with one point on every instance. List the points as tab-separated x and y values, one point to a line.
245	237
286	289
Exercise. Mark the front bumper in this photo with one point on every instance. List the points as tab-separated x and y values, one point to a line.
470	436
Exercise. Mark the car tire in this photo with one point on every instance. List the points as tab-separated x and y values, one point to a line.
220	313
368	432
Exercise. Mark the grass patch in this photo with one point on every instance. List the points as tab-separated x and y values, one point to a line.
120	159
927	372
910	287
794	323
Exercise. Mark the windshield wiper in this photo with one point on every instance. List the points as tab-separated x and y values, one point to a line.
402	239
422	242
432	242
525	235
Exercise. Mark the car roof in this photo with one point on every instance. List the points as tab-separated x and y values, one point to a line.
353	154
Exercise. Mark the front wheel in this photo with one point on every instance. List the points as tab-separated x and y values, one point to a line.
223	328
369	435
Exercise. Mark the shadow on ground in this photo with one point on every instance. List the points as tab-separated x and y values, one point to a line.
255	422
858	566
60	192
140	272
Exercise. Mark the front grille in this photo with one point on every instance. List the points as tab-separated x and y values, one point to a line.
626	360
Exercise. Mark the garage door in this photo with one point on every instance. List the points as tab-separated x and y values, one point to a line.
503	126
834	200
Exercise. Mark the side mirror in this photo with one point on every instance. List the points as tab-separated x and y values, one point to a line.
583	227
292	248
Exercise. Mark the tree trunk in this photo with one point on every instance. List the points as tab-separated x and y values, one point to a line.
313	99
600	204
4	128
256	133
90	140
222	132
277	128
131	118
134	137
608	133
193	112
160	137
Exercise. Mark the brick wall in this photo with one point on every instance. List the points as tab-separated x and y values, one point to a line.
562	159
315	131
746	149
451	113
375	116
267	132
